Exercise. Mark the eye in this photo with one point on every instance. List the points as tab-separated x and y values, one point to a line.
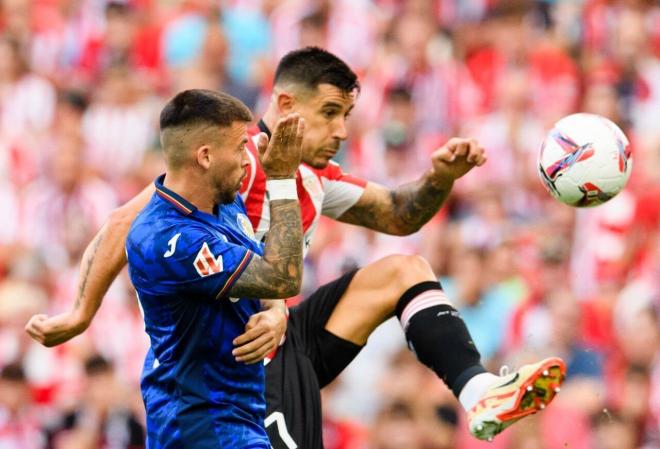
329	113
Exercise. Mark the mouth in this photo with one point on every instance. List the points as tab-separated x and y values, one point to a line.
329	153
240	181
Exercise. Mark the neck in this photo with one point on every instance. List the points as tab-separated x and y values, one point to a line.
199	194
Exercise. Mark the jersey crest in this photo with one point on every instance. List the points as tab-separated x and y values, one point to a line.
244	223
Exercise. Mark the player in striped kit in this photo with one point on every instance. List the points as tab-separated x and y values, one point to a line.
327	330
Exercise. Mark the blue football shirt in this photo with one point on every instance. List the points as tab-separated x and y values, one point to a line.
182	263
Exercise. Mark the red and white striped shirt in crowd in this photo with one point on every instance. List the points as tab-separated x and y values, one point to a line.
27	106
327	191
57	222
19	432
117	136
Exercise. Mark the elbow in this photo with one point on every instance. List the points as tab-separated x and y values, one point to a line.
283	286
403	229
403	232
412	229
285	291
120	218
293	278
293	287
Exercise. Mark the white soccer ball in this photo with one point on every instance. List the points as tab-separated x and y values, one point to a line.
585	160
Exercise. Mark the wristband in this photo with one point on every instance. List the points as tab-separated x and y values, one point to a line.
281	189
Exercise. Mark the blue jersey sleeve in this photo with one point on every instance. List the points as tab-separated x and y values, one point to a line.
203	263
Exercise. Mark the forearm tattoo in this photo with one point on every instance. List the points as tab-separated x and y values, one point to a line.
416	203
89	261
402	211
279	273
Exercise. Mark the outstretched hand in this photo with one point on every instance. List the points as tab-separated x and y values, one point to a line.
455	158
281	156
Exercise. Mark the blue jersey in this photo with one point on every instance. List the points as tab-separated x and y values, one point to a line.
183	262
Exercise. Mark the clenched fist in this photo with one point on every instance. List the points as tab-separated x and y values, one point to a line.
455	158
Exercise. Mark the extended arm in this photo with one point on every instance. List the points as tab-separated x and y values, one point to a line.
406	209
399	211
102	261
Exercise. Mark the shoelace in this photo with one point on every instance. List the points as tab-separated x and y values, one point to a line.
504	371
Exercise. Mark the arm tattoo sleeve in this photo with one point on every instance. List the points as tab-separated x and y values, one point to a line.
278	274
416	203
401	211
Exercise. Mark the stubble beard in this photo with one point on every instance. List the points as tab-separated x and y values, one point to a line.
226	197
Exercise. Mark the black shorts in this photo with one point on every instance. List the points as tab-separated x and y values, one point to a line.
309	359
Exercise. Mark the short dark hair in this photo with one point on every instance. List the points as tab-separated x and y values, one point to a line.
197	106
117	9
13	372
316	19
75	99
399	94
97	364
311	66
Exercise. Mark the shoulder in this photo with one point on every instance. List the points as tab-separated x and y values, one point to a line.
158	222
170	242
174	257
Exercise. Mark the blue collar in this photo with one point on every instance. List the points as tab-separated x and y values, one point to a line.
184	206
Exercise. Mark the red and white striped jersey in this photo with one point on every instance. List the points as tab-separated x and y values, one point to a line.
328	191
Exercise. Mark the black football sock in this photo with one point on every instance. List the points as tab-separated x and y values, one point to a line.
438	336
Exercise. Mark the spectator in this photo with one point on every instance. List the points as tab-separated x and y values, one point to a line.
19	428
103	420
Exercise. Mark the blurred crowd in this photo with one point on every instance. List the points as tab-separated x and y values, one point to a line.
81	85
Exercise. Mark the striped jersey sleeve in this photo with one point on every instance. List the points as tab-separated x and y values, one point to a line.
341	190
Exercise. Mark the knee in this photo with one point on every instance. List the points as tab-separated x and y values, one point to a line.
382	283
404	271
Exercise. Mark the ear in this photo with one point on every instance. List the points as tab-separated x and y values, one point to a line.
285	102
204	156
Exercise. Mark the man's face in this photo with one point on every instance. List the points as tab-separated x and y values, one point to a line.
13	394
100	391
229	161
325	112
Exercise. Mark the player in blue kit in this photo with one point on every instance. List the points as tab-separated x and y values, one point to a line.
198	270
182	262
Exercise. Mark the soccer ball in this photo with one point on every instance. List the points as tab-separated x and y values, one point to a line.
584	160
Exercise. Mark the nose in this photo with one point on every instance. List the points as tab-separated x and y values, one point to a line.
245	159
340	129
